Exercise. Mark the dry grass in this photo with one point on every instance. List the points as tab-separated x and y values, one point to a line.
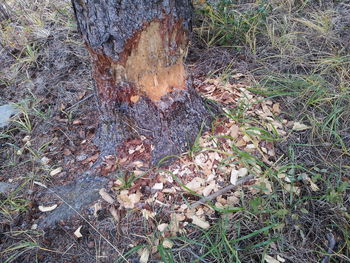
296	53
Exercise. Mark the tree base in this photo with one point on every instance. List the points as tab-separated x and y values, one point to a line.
171	124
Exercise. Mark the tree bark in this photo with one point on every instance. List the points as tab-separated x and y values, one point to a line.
138	49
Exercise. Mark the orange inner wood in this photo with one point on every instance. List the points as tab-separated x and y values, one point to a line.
153	66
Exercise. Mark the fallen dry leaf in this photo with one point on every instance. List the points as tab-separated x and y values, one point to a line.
314	186
128	200
297	126
47	208
114	213
91	158
105	196
77	232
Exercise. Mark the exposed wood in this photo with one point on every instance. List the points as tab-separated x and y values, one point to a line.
138	49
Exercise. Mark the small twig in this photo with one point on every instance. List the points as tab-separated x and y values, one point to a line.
196	256
222	191
330	245
79	102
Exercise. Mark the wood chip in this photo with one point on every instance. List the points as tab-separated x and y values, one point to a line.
241	143
242	172
77	122
105	196
234	176
148	214
56	171
114	213
280	259
144	255
45	160
158	186
234	131
128	200
47	208
77	232
297	126
167	243
208	189
270	259
26	139
199	222
276	108
97	207
162	227
195	185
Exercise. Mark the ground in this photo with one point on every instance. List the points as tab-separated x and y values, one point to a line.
279	69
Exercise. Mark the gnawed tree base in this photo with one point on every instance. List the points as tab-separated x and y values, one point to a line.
138	49
142	88
147	92
171	125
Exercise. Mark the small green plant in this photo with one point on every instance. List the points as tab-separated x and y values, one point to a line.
24	120
18	249
128	178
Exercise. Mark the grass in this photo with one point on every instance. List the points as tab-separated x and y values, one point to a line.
24	50
300	58
302	63
230	24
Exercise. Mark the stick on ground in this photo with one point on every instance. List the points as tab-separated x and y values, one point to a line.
222	191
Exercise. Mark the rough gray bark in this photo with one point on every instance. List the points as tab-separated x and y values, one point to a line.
137	49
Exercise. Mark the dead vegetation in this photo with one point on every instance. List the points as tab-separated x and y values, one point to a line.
281	71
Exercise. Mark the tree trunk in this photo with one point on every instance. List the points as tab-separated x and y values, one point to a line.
137	49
